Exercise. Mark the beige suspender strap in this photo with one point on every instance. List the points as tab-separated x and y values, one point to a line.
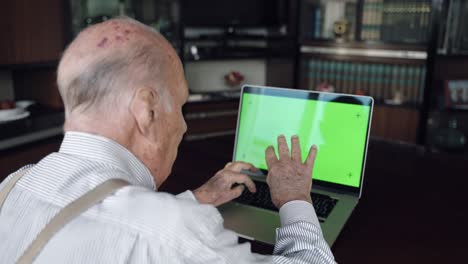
67	214
9	186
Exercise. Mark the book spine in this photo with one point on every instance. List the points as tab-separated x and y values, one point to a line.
333	75
421	20
372	86
422	82
380	83
326	69
346	78
339	75
387	81
320	71
318	22
395	82
310	74
402	83
367	77
414	84
358	86
352	77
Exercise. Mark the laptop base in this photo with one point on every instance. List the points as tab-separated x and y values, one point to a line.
260	224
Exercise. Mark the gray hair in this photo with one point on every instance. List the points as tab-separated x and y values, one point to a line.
104	81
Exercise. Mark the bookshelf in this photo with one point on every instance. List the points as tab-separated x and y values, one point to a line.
382	74
379	48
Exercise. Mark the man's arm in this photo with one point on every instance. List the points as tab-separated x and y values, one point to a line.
300	238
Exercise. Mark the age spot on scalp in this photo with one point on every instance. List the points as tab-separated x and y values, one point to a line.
102	43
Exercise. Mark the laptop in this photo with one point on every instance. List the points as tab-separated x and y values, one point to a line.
339	124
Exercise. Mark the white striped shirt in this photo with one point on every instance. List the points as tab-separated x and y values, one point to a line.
136	224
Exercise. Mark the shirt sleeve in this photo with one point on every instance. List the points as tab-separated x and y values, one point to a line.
299	240
297	211
187	195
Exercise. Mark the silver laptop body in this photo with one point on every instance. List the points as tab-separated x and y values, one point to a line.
256	223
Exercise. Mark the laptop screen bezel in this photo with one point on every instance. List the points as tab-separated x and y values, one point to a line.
318	96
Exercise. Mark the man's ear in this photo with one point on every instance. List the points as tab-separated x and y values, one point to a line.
142	107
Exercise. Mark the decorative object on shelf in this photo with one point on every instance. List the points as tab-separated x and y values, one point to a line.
234	79
456	94
7	104
397	98
25	103
330	19
360	91
341	28
10	111
325	87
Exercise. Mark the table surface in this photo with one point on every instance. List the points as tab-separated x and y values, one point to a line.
412	209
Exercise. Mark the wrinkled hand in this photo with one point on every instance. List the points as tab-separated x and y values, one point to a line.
288	178
219	189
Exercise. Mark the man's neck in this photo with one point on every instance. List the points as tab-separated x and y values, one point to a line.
96	126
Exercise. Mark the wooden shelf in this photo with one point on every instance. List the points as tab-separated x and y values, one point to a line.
363	45
351	52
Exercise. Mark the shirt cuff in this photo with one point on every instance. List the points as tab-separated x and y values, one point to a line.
296	211
187	195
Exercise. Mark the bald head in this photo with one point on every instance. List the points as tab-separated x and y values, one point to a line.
103	65
122	80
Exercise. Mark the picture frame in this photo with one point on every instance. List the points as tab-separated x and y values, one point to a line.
456	94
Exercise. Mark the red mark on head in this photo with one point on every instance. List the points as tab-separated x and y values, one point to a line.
116	27
118	37
126	32
102	43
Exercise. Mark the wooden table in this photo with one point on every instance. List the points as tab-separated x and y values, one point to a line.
413	208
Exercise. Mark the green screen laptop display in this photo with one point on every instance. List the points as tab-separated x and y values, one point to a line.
337	124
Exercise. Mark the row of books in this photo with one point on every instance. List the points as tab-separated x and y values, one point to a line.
384	82
396	20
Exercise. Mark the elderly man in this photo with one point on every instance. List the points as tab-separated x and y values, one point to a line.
123	88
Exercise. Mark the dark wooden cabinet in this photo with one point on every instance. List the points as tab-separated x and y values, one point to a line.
211	118
395	123
32	31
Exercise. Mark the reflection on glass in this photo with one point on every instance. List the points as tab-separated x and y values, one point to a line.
161	15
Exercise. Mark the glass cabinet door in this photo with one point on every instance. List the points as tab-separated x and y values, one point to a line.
161	15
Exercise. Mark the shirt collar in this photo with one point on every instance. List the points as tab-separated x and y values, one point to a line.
102	149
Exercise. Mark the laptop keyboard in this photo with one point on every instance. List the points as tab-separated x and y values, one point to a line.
323	204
